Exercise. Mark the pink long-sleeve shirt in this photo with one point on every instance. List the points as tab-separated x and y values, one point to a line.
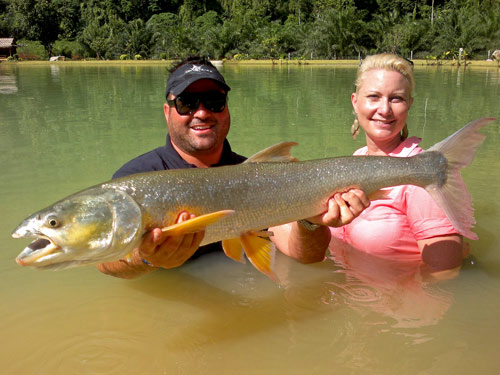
392	226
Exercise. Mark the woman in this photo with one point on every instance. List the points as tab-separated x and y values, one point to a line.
409	223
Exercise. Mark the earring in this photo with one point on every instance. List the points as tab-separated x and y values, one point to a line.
404	132
355	128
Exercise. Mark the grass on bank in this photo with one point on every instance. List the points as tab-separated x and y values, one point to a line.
471	63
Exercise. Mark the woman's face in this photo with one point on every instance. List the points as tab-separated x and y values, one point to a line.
382	104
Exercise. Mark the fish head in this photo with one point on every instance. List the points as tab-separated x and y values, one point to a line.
90	227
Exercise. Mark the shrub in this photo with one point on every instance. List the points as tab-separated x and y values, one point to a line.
67	48
124	57
31	50
109	55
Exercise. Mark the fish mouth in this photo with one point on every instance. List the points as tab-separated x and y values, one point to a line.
38	251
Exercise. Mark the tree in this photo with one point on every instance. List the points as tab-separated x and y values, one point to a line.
400	35
169	36
338	33
462	24
267	44
5	18
256	28
137	38
69	19
207	29
292	35
36	20
95	36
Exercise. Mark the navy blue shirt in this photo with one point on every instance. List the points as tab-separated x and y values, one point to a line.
166	157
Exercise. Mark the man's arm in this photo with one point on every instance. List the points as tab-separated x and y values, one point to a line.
309	245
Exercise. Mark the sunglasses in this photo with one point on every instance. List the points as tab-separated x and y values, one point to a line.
187	103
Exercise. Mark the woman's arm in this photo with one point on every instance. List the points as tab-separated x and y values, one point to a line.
443	255
309	246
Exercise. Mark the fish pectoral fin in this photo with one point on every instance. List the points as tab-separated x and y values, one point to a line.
379	195
196	224
260	253
233	249
279	152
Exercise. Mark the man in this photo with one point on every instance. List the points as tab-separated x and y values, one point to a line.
198	122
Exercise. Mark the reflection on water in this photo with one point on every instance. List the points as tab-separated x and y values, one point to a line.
397	289
8	84
401	291
54	71
69	128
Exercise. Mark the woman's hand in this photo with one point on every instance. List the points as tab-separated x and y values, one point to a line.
309	246
342	208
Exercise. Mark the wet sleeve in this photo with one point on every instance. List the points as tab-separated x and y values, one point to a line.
425	218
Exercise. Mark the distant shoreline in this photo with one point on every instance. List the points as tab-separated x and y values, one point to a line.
417	63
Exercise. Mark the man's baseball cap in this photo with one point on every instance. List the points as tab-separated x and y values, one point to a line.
187	74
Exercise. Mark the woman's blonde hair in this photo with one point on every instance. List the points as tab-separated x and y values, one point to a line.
386	61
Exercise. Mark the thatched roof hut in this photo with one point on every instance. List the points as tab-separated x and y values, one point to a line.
7	47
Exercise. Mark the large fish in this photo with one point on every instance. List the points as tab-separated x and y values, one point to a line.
107	221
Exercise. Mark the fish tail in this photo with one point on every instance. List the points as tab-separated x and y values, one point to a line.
452	196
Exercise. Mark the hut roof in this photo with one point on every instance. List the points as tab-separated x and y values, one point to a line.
6	42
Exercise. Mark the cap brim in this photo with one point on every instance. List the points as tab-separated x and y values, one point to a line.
179	89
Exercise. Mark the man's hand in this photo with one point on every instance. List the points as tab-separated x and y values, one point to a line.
161	250
342	208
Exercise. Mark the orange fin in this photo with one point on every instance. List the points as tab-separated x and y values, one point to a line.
196	224
233	249
279	152
264	233
379	194
260	253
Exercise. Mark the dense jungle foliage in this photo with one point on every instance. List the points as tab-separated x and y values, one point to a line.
299	29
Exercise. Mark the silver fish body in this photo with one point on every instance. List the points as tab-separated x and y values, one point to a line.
107	221
268	194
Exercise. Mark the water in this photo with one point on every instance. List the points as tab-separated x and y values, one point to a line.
65	127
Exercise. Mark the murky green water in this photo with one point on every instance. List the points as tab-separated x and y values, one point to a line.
64	127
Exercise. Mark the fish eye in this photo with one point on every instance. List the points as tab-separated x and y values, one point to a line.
53	221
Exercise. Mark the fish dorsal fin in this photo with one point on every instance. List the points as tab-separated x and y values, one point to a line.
196	224
279	152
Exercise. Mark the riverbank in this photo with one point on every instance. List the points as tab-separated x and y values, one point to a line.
426	63
476	63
